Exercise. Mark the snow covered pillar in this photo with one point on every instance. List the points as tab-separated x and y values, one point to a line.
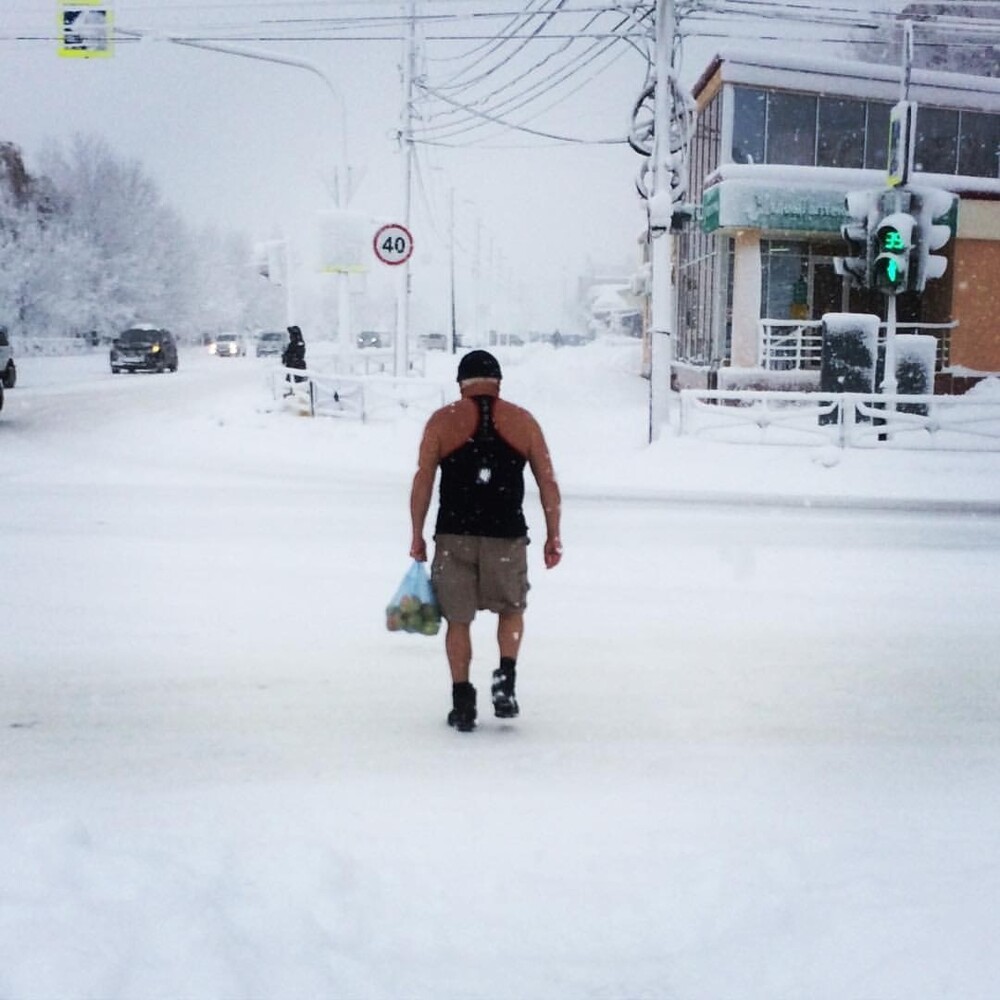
745	351
850	354
916	355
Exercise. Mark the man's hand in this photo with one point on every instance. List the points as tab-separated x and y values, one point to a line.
553	552
418	549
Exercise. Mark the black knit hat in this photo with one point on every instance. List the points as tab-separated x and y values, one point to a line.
478	364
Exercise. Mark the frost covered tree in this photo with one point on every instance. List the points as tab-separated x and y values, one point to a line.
89	245
36	254
125	273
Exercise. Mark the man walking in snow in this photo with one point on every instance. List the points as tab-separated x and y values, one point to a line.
481	443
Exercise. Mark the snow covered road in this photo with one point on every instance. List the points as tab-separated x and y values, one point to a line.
758	755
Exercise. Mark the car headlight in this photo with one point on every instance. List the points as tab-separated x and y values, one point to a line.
212	348
155	349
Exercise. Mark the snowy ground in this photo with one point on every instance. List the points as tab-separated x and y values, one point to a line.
758	754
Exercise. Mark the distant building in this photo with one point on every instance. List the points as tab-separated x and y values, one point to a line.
778	144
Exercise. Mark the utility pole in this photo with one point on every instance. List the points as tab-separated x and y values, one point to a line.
402	348
451	267
660	207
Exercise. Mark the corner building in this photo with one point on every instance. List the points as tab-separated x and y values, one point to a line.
779	142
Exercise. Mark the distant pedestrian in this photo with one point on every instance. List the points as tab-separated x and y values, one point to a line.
481	444
294	354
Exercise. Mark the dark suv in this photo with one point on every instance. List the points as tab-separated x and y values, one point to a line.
144	348
8	371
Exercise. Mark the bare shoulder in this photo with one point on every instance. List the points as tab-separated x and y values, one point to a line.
447	415
520	428
511	411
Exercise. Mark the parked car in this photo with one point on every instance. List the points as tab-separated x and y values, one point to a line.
271	342
433	341
8	370
229	345
144	348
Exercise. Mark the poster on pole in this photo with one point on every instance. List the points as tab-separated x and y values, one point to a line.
85	29
902	133
343	241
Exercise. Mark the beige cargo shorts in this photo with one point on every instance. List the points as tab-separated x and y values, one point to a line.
471	573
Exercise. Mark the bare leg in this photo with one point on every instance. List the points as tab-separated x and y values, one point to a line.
458	647
510	629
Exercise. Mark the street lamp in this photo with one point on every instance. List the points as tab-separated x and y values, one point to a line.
342	185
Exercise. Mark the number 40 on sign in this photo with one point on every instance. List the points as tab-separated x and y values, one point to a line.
393	244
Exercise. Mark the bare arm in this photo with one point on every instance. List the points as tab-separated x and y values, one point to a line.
422	490
541	467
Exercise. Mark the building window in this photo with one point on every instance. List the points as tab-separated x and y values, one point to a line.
979	145
791	129
804	130
936	150
877	136
749	125
841	133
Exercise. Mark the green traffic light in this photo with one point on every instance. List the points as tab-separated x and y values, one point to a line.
892	271
892	240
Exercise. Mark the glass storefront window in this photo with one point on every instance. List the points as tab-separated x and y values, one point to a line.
841	133
784	263
791	129
979	145
749	124
936	150
798	281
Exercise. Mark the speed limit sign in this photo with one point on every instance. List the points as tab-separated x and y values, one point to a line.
393	244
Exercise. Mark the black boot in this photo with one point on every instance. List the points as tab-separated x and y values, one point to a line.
463	715
504	703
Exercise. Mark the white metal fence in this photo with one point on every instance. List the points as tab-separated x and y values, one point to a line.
365	397
853	420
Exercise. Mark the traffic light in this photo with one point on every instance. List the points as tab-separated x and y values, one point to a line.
927	205
893	246
858	235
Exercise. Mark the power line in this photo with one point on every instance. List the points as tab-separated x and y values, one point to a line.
549	16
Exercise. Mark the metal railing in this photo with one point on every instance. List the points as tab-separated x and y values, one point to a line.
371	397
374	361
790	345
857	420
797	345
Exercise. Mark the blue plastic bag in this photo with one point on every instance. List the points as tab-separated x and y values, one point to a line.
413	607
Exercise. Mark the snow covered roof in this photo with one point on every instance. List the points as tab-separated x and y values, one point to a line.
844	178
847	78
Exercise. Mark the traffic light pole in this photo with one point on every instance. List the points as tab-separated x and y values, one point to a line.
343	184
889	382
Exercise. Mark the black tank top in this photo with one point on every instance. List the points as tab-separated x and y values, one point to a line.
482	484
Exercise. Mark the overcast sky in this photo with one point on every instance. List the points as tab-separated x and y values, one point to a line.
251	145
